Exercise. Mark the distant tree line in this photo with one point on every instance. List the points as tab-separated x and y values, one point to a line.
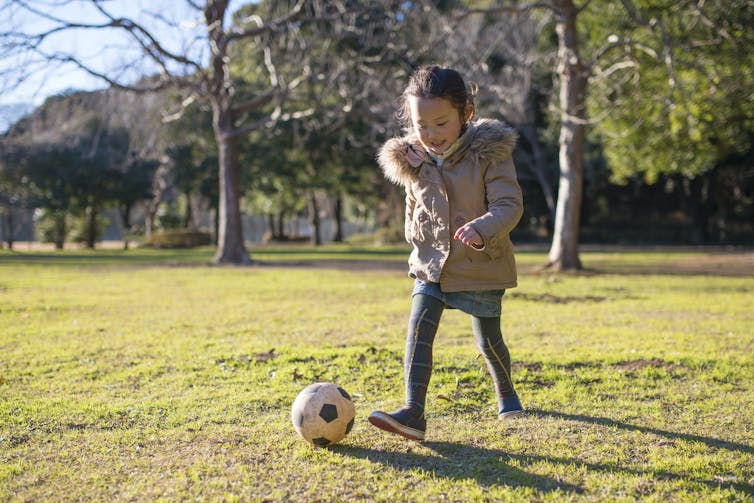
635	121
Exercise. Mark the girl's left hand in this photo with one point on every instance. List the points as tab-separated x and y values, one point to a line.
467	235
415	155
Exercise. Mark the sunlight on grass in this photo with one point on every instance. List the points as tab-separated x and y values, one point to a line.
150	375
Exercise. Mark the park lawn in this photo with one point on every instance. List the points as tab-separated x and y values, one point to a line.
149	375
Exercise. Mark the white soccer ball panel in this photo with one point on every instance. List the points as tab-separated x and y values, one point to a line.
323	413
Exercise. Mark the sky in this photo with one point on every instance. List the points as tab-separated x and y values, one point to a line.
107	50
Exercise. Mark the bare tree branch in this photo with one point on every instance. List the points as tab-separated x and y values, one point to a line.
174	116
271	70
254	126
622	65
263	28
163	84
710	24
255	103
652	24
626	44
150	44
150	47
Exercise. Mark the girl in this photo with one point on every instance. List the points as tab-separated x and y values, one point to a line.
462	201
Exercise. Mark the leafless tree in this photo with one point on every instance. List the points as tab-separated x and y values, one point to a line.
200	67
500	55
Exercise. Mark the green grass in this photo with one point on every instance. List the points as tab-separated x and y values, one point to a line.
148	375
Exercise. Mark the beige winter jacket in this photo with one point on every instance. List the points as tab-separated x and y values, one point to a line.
476	184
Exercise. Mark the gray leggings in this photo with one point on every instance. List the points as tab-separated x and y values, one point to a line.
426	312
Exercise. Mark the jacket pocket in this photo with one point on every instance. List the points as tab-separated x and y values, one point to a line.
422	226
497	246
476	256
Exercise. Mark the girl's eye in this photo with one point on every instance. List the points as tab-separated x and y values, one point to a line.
441	124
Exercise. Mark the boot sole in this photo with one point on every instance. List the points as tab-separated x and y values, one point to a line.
507	416
385	422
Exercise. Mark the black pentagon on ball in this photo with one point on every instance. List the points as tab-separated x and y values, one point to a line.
329	412
321	441
349	426
344	393
300	420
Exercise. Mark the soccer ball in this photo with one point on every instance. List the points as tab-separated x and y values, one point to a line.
323	413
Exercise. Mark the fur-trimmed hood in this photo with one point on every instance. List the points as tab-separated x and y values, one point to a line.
485	139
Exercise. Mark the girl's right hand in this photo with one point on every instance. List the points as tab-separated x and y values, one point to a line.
415	155
469	236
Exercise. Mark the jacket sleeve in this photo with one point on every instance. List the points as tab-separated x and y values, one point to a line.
504	207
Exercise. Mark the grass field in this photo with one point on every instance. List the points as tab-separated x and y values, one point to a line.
148	375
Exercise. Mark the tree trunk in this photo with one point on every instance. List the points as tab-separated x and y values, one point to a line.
91	226
270	217
125	215
151	214
188	219
59	231
230	243
564	251
280	226
338	238
215	215
314	219
8	227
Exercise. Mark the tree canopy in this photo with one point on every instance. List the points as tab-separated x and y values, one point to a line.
290	100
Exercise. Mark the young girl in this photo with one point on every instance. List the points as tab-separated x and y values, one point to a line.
462	201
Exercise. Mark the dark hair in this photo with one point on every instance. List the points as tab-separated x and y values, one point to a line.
436	82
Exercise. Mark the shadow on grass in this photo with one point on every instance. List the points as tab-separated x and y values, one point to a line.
340	257
456	461
332	251
139	257
491	467
745	487
603	421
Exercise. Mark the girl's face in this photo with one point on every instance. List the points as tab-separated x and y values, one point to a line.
436	122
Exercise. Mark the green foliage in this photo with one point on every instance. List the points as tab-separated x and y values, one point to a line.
193	151
133	181
140	375
76	171
59	227
681	102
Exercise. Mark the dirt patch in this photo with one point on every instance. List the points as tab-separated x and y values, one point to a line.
529	366
342	264
555	299
719	264
636	365
713	261
628	366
